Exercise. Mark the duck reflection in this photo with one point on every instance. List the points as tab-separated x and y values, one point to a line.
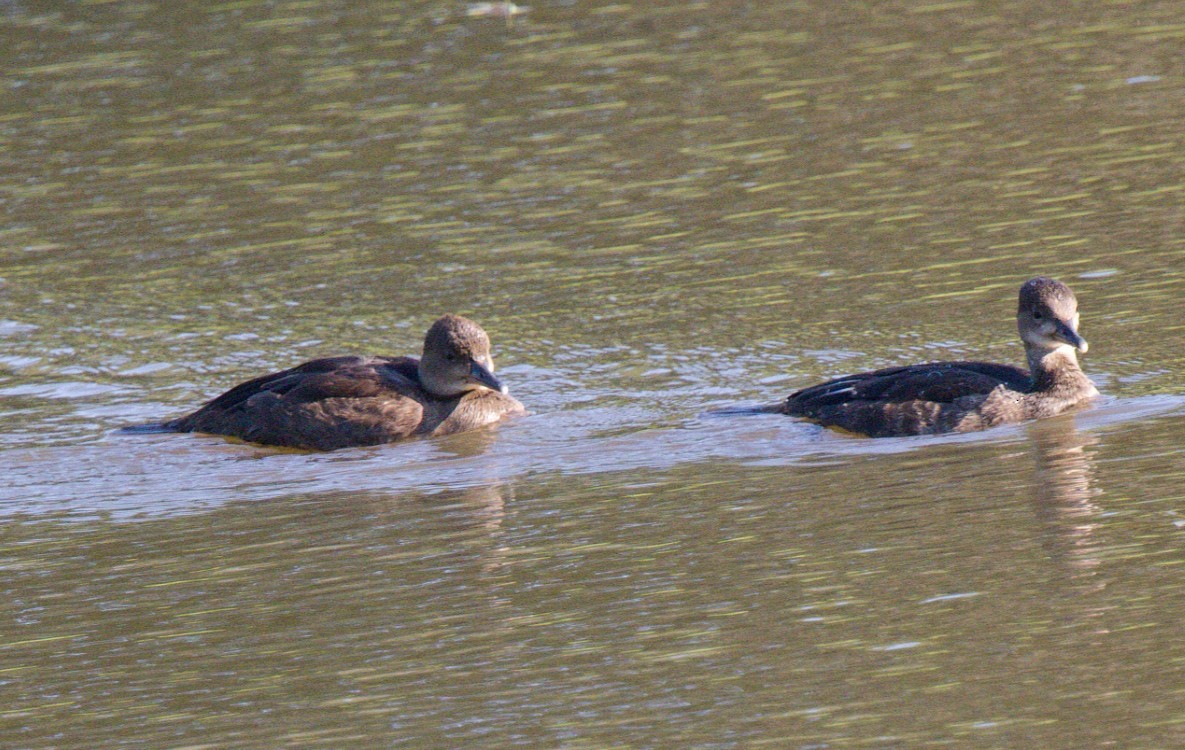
461	528
1065	494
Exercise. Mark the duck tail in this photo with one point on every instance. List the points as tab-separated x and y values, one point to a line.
148	429
738	411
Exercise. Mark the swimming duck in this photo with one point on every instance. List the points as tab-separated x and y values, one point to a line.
964	396
339	402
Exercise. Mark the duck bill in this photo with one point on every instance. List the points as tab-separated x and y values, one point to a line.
1066	334
481	375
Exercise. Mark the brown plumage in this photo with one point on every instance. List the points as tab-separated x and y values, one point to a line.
348	401
964	396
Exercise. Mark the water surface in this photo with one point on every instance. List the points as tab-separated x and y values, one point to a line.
656	210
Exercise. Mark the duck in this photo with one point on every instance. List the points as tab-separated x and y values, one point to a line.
349	401
943	397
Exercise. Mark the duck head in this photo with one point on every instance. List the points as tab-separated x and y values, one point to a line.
1047	317
457	359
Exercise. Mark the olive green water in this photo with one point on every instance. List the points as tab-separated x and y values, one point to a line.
656	210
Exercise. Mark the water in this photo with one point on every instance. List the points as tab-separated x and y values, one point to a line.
656	210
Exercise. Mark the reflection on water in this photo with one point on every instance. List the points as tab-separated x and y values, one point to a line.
657	210
742	602
1065	496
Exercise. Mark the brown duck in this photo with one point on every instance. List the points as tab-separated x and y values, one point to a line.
338	402
964	396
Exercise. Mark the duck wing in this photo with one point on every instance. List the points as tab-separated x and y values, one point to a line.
284	380
323	404
377	377
939	382
911	400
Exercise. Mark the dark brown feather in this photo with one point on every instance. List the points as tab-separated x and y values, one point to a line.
337	402
962	396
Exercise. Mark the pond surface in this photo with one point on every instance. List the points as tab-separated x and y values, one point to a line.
657	210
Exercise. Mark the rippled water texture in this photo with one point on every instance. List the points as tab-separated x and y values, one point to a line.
657	210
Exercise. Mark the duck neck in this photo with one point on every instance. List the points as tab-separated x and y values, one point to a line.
1057	371
435	385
